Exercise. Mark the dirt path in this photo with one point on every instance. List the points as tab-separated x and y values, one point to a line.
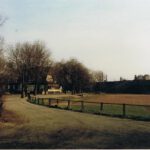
35	126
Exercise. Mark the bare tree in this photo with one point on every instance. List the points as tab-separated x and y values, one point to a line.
29	62
2	58
1	53
2	65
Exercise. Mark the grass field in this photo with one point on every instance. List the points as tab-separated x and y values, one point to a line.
26	125
114	109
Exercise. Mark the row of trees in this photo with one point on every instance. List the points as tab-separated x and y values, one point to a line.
27	62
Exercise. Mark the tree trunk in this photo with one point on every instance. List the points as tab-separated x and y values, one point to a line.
22	88
35	88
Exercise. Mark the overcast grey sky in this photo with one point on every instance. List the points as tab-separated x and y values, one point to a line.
108	35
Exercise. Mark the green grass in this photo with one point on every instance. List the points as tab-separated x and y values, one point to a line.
112	109
108	109
116	110
138	111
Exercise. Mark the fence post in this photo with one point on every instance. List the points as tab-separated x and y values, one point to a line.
57	102
49	102
42	101
101	107
68	104
124	110
38	101
34	100
29	97
82	106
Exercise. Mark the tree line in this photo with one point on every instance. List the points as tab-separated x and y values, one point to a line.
32	61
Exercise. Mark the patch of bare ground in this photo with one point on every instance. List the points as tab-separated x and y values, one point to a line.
139	99
10	117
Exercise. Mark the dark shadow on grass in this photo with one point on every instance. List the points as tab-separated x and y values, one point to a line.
75	138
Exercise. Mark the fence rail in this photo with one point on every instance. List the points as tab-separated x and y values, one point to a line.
113	109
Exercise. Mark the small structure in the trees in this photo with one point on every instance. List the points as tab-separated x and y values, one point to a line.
53	87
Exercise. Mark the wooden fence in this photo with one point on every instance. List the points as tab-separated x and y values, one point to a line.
53	102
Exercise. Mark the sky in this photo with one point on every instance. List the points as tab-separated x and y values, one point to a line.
108	35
